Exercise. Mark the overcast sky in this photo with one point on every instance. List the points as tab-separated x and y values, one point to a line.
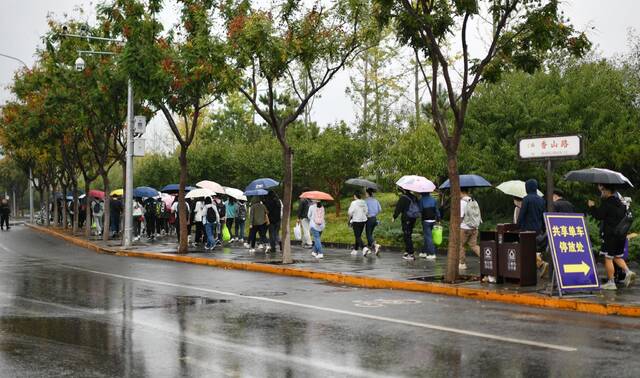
23	22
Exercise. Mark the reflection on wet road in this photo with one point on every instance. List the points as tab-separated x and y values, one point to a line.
65	311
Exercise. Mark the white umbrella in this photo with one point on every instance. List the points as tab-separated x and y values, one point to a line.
200	193
418	184
211	185
235	193
515	188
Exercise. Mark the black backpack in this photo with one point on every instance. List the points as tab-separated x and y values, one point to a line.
622	228
211	215
150	208
96	207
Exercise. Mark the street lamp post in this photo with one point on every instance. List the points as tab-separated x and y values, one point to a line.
30	172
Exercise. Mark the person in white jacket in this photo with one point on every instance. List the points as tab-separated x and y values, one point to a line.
358	213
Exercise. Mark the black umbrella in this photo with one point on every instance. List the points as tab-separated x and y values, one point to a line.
363	183
598	176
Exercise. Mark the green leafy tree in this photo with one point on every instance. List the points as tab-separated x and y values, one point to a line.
268	49
521	33
180	73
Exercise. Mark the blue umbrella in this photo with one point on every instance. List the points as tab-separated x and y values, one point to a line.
261	183
256	192
145	191
469	181
173	188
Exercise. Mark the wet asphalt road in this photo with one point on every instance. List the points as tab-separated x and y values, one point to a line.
65	311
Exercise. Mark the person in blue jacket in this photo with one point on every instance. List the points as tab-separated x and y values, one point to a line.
531	218
429	215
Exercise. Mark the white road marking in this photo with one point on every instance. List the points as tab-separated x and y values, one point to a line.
342	312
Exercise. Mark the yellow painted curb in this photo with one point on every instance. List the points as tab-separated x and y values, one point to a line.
534	300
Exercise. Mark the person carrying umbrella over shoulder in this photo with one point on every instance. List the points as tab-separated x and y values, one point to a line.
408	210
611	212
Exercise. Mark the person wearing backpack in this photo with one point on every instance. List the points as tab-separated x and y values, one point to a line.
209	220
97	211
614	217
241	217
150	216
231	210
429	215
471	220
258	222
358	213
408	210
317	225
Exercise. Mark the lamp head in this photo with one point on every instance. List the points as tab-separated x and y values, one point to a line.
80	64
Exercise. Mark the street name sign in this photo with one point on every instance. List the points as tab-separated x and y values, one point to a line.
575	267
550	147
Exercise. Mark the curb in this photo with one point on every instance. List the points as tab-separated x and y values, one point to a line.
534	300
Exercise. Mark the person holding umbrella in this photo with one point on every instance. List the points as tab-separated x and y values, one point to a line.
471	219
408	210
611	212
317	225
258	222
373	209
429	216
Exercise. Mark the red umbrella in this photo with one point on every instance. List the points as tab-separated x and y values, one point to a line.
316	195
99	194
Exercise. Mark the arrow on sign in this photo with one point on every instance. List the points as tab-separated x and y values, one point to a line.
577	268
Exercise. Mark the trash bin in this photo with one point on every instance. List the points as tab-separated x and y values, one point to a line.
488	253
517	258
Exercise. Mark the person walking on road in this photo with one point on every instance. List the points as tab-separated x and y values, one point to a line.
258	222
408	210
241	217
274	209
358	214
471	220
373	209
303	220
5	211
611	212
429	216
531	218
561	205
317	225
209	219
231	210
97	211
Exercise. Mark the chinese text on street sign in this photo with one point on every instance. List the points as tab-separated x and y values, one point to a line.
550	147
570	247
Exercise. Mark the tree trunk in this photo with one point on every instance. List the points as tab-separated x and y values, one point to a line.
287	157
87	209
183	247
46	202
56	221
64	208
76	208
335	192
454	221
107	208
416	94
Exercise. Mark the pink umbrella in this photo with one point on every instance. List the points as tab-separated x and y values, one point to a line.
416	184
99	194
167	199
316	195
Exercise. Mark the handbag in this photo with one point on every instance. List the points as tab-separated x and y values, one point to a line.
436	234
297	232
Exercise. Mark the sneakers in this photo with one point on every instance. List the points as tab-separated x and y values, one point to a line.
267	249
252	250
365	251
317	255
354	252
409	256
462	266
610	285
422	255
246	245
629	279
307	246
377	249
431	257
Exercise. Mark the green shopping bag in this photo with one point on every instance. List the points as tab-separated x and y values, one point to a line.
226	235
436	234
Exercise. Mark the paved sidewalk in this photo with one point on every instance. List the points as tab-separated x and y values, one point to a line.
389	265
388	271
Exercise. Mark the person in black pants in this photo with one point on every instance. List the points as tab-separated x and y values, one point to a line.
4	214
403	210
274	210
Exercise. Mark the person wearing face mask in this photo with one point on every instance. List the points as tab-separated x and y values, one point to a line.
610	212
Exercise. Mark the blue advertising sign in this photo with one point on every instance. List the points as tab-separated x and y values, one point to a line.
570	247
